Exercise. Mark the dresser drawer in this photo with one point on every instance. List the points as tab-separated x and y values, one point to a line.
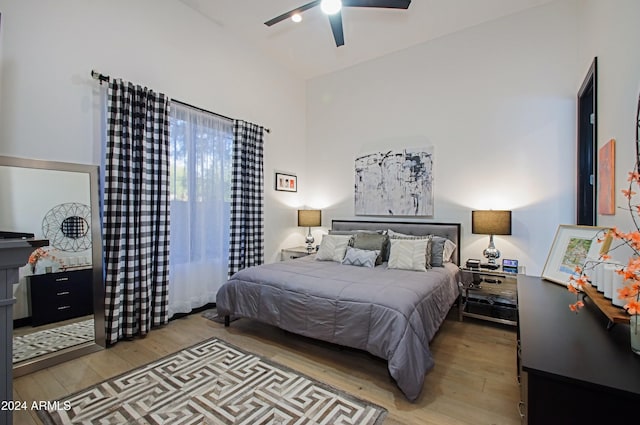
60	296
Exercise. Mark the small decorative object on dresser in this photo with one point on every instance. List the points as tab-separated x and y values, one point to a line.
572	246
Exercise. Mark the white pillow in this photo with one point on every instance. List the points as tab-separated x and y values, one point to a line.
449	247
408	254
333	248
360	257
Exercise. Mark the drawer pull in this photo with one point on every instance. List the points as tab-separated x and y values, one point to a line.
64	307
63	293
61	279
521	409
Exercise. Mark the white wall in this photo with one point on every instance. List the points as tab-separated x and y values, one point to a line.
49	103
496	101
610	31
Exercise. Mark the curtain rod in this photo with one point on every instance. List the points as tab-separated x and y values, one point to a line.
105	78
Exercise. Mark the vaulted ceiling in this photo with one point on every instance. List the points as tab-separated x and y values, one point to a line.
308	47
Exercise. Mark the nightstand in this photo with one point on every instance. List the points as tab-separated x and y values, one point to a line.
488	295
295	252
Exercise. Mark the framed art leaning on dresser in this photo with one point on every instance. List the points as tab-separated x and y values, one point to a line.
572	247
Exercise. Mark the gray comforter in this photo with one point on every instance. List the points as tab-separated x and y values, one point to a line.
392	314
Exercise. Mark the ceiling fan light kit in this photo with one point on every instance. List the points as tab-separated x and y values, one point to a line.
330	7
333	7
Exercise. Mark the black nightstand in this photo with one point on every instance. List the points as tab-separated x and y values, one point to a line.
488	295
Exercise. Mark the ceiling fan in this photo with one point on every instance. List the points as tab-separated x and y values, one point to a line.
335	15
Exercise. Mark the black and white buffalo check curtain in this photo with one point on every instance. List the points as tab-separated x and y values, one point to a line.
246	239
136	211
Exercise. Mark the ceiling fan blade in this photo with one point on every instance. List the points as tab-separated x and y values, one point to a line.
387	4
291	13
336	27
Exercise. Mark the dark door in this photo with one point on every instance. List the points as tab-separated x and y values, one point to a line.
587	149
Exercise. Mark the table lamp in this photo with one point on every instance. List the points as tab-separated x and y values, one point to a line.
309	219
491	222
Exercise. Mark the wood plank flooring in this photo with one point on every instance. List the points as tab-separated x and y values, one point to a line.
473	382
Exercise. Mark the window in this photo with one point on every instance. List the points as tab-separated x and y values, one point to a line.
200	154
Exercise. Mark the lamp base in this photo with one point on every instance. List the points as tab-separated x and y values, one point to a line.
309	241
492	254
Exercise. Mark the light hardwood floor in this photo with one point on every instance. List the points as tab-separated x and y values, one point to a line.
473	382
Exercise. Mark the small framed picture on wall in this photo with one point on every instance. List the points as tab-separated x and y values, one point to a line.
286	182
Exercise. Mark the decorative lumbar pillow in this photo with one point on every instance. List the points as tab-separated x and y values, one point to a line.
360	257
333	248
408	254
372	242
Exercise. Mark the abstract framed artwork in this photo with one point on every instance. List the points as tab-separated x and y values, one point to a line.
286	182
395	182
607	178
572	247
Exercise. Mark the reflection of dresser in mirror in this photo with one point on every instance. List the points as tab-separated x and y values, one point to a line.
60	291
55	297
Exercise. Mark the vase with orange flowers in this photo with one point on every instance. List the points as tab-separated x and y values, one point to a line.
38	255
630	272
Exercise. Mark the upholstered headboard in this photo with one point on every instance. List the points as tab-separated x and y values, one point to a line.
450	231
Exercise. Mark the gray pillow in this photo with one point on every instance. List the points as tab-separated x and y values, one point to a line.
437	251
372	242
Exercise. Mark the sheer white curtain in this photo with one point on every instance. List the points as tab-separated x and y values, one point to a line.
201	155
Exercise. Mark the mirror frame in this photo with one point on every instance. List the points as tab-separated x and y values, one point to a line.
99	343
638	134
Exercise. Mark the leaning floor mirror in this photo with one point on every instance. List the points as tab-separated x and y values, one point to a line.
58	312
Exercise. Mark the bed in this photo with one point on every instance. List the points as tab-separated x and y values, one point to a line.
392	313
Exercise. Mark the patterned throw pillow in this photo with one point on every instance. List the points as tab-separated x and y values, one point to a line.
333	248
408	254
428	255
372	242
360	257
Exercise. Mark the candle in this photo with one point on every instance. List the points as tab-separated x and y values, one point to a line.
617	283
599	277
609	271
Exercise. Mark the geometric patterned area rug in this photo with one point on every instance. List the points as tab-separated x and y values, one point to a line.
49	340
212	382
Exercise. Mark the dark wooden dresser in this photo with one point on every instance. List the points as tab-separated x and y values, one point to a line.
572	369
60	296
